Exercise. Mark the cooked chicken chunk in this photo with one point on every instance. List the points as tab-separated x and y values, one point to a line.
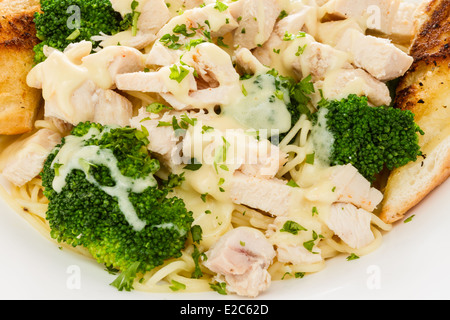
217	81
257	20
305	19
77	86
26	158
160	55
351	225
269	195
302	20
403	26
382	59
290	247
317	59
154	14
352	187
164	141
92	104
207	18
158	82
248	63
297	254
379	14
263	159
331	32
342	82
242	257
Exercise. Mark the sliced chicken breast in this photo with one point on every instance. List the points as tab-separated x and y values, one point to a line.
352	187
269	195
378	14
341	82
207	18
242	257
380	57
90	103
164	141
26	159
153	15
316	59
256	22
351	224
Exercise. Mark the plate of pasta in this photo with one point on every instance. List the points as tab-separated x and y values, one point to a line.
186	149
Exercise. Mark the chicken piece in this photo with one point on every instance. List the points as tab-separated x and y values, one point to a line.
352	187
26	158
316	59
160	55
242	257
342	82
248	63
289	247
297	254
191	4
164	141
154	14
403	26
217	82
207	18
244	153
213	65
112	108
105	65
263	159
269	195
76	84
91	103
158	82
18	102
331	32
257	21
304	20
379	14
351	225
382	59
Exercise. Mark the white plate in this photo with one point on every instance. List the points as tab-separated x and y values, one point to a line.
412	263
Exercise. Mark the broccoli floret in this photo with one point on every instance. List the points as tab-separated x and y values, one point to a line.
82	180
63	22
369	138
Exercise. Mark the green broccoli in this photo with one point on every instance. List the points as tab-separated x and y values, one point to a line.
63	22
369	138
104	197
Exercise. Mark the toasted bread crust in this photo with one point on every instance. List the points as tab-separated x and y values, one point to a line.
18	102
424	91
432	37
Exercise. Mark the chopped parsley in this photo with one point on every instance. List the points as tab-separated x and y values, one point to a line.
178	73
219	287
220	6
292	227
